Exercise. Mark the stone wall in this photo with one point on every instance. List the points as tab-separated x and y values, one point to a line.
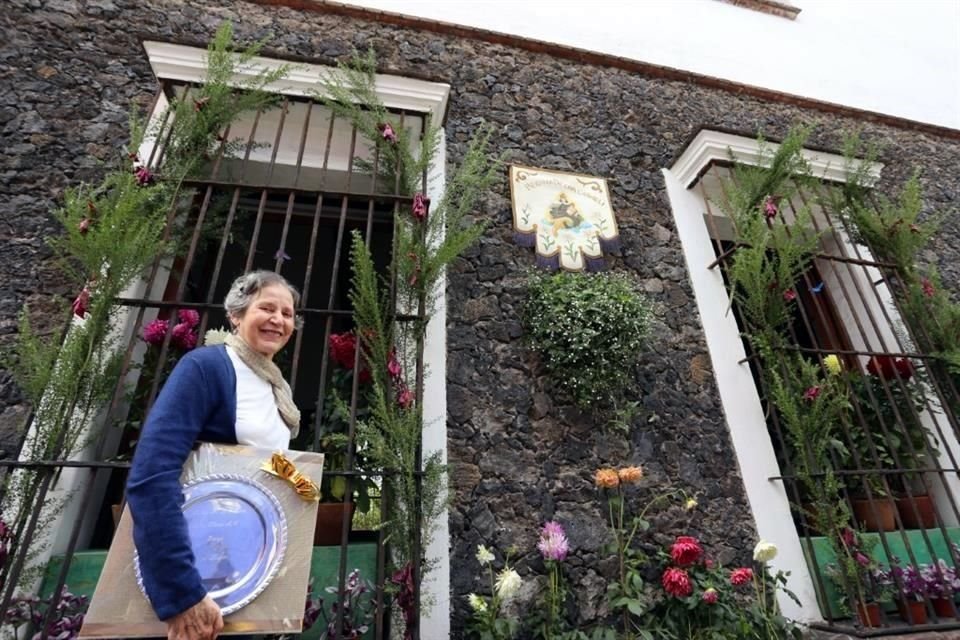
72	69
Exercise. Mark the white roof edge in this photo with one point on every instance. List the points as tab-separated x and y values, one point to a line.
708	146
188	64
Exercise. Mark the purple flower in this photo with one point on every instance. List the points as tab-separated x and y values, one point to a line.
553	543
154	332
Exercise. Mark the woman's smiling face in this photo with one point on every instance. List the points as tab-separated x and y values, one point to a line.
267	323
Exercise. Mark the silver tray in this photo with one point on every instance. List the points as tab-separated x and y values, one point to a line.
238	533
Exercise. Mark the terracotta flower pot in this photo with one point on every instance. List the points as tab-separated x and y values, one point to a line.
869	614
916	512
943	607
875	515
330	517
912	611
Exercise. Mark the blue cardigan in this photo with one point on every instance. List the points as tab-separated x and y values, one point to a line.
197	403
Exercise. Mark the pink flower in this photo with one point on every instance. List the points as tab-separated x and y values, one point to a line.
143	176
81	304
862	559
789	295
553	543
420	206
405	398
928	289
741	576
710	596
343	349
393	367
812	393
154	332
189	316
686	551
387	132
847	537
184	337
84	226
770	209
676	582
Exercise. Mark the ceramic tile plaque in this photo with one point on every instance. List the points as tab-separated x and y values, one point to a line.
255	561
565	217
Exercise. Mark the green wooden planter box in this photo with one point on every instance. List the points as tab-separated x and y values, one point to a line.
85	571
822	555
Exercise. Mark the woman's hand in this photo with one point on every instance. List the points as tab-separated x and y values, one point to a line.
202	621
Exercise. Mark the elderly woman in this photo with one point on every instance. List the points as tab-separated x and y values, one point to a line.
227	393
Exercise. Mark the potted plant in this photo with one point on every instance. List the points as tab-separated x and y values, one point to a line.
942	583
859	577
911	589
334	428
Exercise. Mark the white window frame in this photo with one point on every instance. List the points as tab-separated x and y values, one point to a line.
188	64
738	391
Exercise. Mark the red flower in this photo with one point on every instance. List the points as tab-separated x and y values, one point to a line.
789	295
928	289
847	537
184	337
685	551
143	176
84	226
393	367
812	393
387	132
343	349
770	209
154	332
81	303
420	206
677	583
405	398
888	367
189	316
710	596
741	576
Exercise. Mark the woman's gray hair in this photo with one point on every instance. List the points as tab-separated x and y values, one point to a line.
245	288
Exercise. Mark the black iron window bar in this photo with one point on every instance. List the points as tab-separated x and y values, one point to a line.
311	211
817	320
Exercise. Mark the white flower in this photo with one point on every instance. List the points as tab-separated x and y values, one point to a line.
764	551
484	556
478	604
215	336
508	584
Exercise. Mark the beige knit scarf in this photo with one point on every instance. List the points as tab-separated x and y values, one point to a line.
269	372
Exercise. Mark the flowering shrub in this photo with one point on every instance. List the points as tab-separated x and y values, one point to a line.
67	617
589	330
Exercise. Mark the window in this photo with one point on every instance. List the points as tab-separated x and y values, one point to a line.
287	199
900	446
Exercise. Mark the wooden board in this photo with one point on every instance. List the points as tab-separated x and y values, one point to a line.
118	608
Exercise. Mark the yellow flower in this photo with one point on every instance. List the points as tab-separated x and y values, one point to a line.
607	478
630	475
833	365
690	505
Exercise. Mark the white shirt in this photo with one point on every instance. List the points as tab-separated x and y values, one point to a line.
259	423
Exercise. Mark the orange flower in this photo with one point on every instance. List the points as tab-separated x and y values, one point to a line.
607	478
630	475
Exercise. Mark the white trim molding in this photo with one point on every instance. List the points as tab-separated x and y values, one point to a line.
712	146
742	407
189	64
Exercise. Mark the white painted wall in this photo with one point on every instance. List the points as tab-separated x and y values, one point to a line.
897	57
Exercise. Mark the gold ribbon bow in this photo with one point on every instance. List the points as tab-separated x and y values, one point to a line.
279	465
